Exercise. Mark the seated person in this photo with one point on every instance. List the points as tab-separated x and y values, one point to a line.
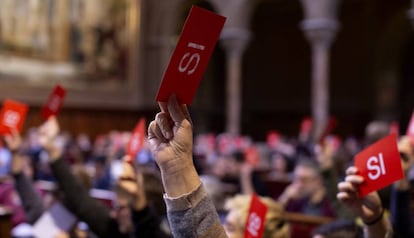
133	216
307	193
238	209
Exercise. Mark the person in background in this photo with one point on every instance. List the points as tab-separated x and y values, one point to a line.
132	217
400	204
238	209
307	194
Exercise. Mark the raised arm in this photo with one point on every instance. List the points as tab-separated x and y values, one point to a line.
31	200
76	196
190	212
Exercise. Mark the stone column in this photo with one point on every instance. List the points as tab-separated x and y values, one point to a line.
320	27
234	39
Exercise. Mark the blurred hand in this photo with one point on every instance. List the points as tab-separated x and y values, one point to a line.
48	133
170	137
368	208
291	192
325	154
246	169
14	143
133	183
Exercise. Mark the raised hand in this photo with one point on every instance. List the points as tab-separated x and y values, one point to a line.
368	208
170	137
133	183
48	133
14	143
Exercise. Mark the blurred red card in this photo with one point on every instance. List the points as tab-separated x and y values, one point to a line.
306	125
273	139
191	55
256	218
54	103
12	115
379	164
136	142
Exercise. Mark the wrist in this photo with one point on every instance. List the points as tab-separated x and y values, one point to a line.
375	219
179	182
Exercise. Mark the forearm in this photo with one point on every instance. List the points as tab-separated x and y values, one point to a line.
193	215
379	230
246	184
31	200
78	201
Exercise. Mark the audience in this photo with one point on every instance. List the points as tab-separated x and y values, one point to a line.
227	174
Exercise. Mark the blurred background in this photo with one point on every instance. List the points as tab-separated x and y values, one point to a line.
111	56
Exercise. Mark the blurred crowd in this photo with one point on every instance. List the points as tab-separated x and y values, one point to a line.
110	197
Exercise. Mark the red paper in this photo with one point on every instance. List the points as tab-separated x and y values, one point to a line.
12	115
328	129
252	156
256	218
136	142
54	103
273	139
306	125
191	55
379	164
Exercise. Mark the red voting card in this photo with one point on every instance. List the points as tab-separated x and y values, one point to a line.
273	139
12	115
306	125
191	55
136	142
328	129
252	156
379	164
256	218
54	103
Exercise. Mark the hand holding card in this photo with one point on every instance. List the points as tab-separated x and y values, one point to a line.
54	102
379	164
191	55
12	115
